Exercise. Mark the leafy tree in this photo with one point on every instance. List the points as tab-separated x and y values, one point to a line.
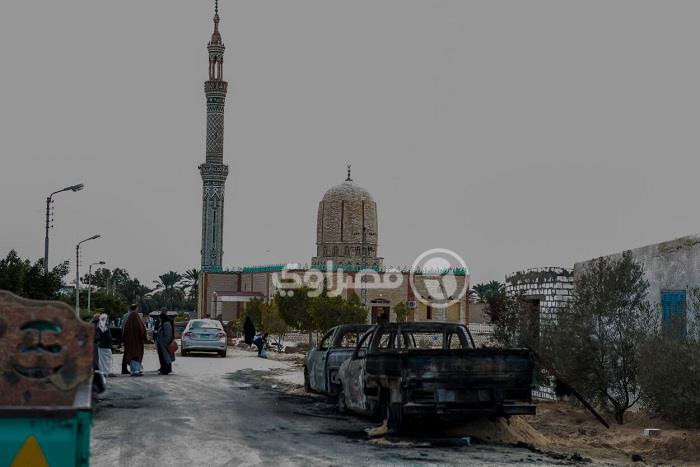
669	362
100	278
401	310
327	312
118	283
133	291
295	309
595	343
28	280
254	310
515	321
100	302
272	321
105	303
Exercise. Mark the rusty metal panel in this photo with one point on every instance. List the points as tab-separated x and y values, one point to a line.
46	352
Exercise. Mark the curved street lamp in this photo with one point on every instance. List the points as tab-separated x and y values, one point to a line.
49	200
77	272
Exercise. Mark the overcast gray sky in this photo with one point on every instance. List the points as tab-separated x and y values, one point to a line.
519	134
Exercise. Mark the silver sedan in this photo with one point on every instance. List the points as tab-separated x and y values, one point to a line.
203	335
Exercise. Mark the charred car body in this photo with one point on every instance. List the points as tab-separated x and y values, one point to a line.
323	361
407	370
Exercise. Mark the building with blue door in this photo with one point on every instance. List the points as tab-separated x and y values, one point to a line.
673	271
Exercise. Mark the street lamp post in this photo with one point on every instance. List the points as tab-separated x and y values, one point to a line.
77	272
49	200
99	263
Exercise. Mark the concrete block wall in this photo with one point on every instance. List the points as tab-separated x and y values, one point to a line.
552	286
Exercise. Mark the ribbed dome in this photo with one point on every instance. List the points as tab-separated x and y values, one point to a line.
346	214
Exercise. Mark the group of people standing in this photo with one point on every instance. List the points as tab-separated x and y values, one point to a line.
134	337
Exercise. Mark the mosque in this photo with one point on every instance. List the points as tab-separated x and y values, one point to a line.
347	239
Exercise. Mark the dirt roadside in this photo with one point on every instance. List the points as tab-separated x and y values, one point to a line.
567	427
564	429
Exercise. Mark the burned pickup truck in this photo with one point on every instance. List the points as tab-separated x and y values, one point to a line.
322	362
408	370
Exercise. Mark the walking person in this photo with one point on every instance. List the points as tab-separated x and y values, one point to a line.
125	362
248	331
103	341
134	338
164	339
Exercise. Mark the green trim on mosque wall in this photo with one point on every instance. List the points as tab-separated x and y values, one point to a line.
345	268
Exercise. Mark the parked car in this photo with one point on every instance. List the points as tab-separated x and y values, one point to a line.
203	335
323	361
409	370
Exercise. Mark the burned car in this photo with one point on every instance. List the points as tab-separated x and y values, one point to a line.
410	370
322	362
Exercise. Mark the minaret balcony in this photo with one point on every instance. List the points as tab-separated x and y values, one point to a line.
215	87
213	171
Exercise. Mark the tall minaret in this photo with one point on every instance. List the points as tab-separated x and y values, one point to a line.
214	171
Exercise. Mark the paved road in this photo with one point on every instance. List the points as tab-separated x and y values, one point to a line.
227	411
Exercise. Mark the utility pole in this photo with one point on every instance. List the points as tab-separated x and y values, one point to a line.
49	201
77	272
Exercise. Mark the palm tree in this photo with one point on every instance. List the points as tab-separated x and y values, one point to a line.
192	282
169	280
171	295
485	292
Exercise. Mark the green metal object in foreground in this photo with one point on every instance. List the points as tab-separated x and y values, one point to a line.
61	434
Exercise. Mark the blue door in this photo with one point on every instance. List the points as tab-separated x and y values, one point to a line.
673	311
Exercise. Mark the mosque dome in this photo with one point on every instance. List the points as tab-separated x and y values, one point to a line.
346	227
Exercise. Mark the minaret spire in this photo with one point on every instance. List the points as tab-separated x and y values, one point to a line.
349	179
216	36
